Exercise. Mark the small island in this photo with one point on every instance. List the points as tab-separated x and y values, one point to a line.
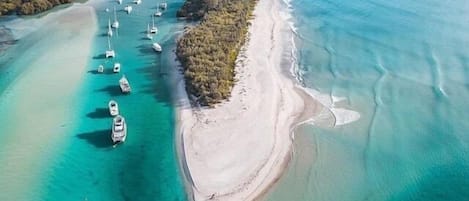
208	51
28	7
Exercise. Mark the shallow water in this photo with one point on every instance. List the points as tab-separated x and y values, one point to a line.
83	165
402	65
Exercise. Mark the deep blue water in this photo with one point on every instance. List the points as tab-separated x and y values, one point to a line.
404	66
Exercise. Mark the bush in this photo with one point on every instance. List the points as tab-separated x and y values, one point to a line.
208	52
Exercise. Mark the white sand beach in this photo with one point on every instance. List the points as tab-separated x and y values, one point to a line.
39	104
238	149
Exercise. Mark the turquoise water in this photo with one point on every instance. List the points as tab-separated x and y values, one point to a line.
404	66
84	165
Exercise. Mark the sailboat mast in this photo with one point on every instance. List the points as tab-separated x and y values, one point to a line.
109	43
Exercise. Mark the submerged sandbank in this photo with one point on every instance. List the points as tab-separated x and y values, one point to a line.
37	107
238	149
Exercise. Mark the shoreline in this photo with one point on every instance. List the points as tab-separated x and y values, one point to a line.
257	148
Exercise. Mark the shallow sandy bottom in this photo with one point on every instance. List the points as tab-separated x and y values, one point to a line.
37	106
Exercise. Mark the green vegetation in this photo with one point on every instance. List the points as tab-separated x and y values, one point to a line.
208	51
28	7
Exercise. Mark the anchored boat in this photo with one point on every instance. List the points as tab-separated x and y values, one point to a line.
119	130
113	108
124	85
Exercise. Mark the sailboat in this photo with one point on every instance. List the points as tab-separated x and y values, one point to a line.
137	1
158	13
119	130
110	52
117	68
149	36
109	30
115	24
113	108
153	29
119	1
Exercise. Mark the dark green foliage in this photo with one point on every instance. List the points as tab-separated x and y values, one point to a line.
28	7
208	52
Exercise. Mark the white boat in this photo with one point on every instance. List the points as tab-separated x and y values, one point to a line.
107	10
119	1
153	29
158	13
119	130
113	108
117	68
115	24
149	36
128	9
110	52
157	47
109	30
137	1
124	85
163	5
100	69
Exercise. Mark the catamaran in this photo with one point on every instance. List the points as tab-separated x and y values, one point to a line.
124	85
119	130
157	47
109	30
153	29
163	5
128	9
149	36
113	108
110	52
117	67
100	68
115	24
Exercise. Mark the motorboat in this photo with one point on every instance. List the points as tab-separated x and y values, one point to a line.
157	47
124	85
119	130
117	68
113	108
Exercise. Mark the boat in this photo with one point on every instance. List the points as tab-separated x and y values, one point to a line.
110	52
115	24
128	9
107	10
124	85
158	13
109	30
157	47
163	5
137	1
149	36
153	29
100	69
119	1
117	67
113	108
119	130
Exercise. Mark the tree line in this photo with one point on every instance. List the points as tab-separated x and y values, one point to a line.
28	7
208	51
